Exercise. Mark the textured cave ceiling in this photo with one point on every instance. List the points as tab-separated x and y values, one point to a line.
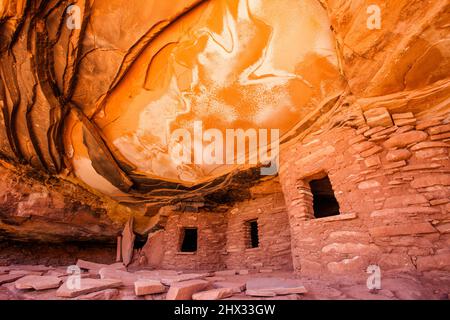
99	103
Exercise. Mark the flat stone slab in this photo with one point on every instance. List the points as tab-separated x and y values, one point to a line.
26	272
182	277
270	287
144	287
108	294
7	278
37	268
185	289
87	285
30	294
127	278
237	286
91	266
214	294
37	282
159	273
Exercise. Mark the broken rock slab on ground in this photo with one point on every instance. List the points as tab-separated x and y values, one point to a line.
37	282
7	278
213	294
90	266
87	285
182	277
144	287
236	286
108	294
270	287
185	289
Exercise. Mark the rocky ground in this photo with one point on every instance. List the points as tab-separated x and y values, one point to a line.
114	282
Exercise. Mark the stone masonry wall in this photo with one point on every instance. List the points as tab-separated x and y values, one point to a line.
223	238
211	228
391	177
268	207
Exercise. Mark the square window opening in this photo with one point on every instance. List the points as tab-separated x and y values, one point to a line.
324	200
189	240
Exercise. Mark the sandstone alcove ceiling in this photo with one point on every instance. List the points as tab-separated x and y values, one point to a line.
106	99
93	107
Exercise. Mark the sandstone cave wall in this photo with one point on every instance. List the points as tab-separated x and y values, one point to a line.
55	254
390	175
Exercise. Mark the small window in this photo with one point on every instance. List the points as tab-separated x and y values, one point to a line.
252	234
324	201
189	240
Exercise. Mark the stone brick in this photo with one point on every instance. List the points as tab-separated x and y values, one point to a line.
404	139
378	117
430	144
348	248
363	146
440	136
357	236
405	115
443	228
436	262
349	265
402	229
439	129
372	131
396	164
422	166
425	124
431	180
372	161
368	184
398	212
403	129
398	155
400	261
404	201
371	151
404	122
431	152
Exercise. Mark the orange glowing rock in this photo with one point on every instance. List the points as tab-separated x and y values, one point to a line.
230	64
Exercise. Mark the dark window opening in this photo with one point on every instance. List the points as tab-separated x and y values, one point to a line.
189	241
324	201
253	235
139	241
